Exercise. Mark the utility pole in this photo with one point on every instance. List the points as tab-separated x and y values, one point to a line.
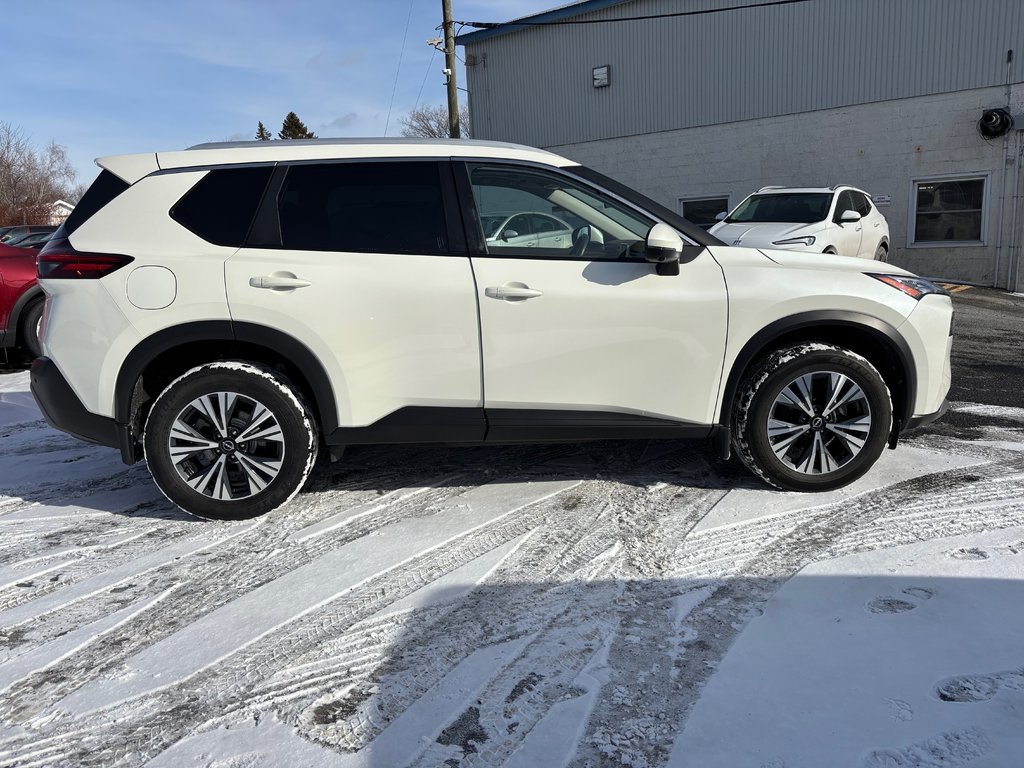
449	69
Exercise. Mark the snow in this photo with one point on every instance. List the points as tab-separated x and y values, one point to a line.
859	647
596	604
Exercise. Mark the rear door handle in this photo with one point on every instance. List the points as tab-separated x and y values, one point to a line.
512	292
278	282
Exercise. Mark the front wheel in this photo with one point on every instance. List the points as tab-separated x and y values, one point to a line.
812	417
229	441
881	253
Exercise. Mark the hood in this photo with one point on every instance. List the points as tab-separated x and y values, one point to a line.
761	234
802	259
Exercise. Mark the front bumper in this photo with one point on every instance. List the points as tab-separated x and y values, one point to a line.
64	411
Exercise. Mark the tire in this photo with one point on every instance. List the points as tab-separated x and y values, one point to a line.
28	330
831	250
806	448
192	447
881	253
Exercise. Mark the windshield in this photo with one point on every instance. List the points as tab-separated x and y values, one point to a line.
790	208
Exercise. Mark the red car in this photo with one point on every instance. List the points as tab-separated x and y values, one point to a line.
21	299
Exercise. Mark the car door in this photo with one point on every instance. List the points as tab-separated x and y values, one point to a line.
846	235
871	225
589	332
364	264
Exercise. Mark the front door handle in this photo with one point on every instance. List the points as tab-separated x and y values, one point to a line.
512	292
278	282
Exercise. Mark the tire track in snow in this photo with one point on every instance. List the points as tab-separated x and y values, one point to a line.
146	725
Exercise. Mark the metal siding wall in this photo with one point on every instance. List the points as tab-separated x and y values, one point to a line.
535	86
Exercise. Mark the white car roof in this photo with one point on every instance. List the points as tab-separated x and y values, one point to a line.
796	190
131	168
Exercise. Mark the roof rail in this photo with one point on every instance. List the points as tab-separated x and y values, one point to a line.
762	189
834	187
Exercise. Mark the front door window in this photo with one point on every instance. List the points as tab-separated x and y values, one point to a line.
528	212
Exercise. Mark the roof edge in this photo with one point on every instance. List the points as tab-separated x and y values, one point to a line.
544	17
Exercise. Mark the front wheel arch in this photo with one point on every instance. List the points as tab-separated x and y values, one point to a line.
873	339
811	417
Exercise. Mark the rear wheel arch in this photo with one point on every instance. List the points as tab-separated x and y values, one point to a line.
159	359
867	336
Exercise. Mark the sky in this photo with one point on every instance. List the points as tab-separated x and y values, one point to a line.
109	77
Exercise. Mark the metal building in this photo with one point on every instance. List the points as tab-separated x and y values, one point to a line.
697	103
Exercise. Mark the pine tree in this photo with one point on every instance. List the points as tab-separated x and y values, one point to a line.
262	134
293	128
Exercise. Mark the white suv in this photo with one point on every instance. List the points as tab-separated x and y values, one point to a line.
840	220
228	310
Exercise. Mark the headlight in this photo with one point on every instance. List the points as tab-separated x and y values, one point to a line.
914	287
805	240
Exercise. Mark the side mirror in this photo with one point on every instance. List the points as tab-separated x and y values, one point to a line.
721	216
508	233
849	217
664	247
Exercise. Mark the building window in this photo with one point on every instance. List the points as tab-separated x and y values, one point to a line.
704	211
949	210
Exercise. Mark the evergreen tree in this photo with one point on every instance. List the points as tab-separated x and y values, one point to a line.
293	128
262	134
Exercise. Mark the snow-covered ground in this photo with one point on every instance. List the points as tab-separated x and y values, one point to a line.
636	604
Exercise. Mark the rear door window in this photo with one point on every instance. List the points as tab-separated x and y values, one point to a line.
364	207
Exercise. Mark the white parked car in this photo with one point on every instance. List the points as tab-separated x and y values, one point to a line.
228	311
840	220
531	230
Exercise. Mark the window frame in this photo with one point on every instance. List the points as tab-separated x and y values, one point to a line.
912	241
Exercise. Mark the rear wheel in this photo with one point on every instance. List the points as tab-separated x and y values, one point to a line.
812	417
230	440
29	330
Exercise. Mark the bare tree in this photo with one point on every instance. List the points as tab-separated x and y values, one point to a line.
30	180
432	122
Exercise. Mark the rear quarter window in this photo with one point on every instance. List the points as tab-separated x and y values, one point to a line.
105	188
220	208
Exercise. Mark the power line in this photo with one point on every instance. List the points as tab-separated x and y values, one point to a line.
497	24
425	75
398	71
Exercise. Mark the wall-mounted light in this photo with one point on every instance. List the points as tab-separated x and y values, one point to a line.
602	76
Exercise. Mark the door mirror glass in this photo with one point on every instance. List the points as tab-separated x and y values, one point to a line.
849	216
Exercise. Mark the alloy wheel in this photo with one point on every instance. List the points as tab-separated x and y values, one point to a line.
819	422
226	446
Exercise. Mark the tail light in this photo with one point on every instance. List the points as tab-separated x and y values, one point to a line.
60	261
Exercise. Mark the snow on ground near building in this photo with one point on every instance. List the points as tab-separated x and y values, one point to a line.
626	603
